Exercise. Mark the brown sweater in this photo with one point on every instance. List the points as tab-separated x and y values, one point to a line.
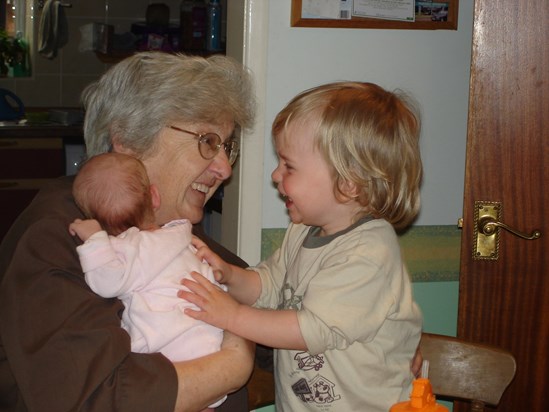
61	345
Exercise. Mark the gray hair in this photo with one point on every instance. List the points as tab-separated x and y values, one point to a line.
143	93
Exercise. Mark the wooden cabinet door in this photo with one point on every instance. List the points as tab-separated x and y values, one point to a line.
26	164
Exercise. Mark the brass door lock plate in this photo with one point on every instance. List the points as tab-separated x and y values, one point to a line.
485	238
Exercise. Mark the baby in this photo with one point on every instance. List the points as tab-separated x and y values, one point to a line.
127	255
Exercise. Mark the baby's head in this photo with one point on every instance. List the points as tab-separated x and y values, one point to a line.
370	137
114	189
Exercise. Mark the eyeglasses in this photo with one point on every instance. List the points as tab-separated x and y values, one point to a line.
210	143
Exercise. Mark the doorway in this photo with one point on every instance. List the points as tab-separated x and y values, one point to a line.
504	293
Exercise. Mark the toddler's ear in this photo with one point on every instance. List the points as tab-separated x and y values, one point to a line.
155	197
349	189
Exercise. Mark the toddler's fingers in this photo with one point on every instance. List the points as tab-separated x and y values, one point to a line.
218	275
201	279
198	243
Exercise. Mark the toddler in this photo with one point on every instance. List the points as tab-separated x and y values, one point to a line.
335	300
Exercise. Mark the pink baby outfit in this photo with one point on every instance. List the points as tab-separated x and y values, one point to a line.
144	270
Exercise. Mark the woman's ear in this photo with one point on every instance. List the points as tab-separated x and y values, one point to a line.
155	197
119	148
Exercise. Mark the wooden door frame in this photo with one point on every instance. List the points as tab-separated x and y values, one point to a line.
241	220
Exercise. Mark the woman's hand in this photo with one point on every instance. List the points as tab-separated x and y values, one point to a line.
203	381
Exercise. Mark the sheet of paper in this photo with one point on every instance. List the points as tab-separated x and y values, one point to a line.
326	9
385	9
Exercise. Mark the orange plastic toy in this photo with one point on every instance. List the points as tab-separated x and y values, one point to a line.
421	399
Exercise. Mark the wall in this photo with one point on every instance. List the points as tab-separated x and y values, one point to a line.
434	67
431	65
59	82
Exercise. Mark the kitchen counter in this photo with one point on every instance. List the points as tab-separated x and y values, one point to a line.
31	154
40	122
70	133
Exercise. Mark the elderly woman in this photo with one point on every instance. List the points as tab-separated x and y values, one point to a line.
61	345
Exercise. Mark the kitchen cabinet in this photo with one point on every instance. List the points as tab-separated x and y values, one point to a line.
29	158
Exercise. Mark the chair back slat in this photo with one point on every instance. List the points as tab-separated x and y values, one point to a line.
466	370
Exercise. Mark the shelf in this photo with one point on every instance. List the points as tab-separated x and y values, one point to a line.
117	56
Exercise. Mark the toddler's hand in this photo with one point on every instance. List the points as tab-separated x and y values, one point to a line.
217	307
221	269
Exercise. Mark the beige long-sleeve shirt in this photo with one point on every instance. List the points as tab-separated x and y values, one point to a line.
356	313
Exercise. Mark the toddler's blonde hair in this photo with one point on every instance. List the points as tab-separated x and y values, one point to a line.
370	137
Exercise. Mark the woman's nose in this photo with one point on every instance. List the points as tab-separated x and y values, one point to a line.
221	166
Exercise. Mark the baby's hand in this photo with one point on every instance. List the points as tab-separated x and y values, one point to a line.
84	228
73	225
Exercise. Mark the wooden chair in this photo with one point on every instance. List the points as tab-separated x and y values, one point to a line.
457	370
260	389
467	371
261	384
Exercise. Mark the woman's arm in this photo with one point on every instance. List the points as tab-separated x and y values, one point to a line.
205	380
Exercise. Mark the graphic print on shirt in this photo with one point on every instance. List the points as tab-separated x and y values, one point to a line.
318	390
289	299
307	362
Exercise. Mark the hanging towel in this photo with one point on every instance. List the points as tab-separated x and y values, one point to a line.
53	29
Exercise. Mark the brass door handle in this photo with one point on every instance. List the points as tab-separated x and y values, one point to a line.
488	225
487	221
